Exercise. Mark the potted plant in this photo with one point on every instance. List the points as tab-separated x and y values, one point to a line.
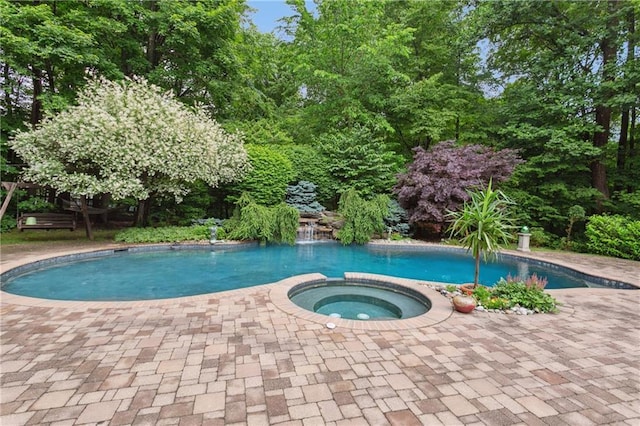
483	224
464	304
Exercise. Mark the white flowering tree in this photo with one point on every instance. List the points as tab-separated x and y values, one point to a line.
129	139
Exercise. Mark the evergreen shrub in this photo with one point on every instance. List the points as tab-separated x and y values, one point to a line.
271	172
303	198
397	219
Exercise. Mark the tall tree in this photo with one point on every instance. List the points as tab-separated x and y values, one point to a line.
568	54
347	61
358	159
442	98
557	156
51	44
183	45
628	98
190	48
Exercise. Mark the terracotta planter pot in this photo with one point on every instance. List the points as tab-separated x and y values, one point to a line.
464	304
467	289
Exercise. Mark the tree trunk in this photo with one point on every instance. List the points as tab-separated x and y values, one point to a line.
600	139
7	90
152	40
631	49
623	142
151	49
85	217
632	133
51	79
632	145
603	110
142	217
105	200
36	102
476	274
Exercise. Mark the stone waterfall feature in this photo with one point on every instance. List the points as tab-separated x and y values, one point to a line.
310	230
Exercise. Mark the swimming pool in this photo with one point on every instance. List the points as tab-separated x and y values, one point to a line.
156	272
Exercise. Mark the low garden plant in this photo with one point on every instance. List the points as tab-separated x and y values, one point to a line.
528	293
482	295
497	303
451	288
166	234
513	292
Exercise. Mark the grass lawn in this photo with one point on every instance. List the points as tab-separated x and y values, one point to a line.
53	236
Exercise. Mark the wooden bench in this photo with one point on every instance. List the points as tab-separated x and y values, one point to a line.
46	221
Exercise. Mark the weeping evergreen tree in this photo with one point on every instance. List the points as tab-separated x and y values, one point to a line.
286	220
252	221
362	218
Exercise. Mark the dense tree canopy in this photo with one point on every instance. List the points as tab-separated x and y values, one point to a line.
575	85
186	46
355	86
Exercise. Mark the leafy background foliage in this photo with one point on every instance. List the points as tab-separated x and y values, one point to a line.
353	90
166	234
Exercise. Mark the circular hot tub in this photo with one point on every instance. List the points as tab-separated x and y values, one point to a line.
360	300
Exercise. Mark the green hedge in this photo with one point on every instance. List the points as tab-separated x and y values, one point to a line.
616	236
271	172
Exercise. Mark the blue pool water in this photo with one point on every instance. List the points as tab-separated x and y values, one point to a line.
359	301
175	273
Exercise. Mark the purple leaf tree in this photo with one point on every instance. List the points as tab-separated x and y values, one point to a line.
438	179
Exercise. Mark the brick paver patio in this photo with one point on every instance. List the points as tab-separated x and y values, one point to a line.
238	358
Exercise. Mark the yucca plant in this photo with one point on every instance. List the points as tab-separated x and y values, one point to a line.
483	224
